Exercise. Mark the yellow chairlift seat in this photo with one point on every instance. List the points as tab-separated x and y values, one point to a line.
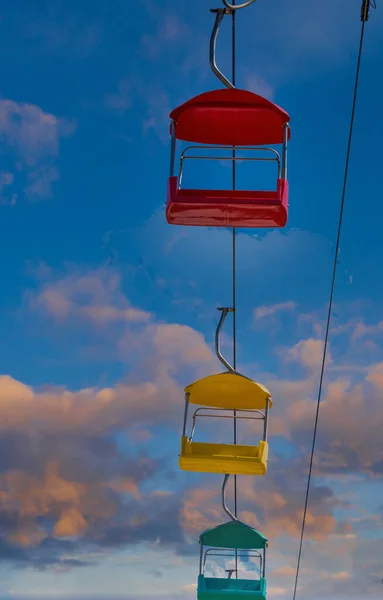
226	391
233	459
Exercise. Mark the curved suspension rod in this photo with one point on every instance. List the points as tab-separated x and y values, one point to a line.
225	508
220	12
223	360
237	6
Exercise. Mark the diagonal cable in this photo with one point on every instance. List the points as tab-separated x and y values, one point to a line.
364	17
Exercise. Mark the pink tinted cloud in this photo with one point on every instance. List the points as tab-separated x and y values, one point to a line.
82	496
158	401
78	506
350	421
271	505
95	300
308	353
161	351
92	295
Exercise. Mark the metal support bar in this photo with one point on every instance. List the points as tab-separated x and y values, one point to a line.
228	416
223	360
220	13
235	417
230	572
264	563
237	6
200	558
266	420
244	158
173	148
243	410
225	508
184	157
193	428
223	147
247	552
284	151
239	552
185	414
364	11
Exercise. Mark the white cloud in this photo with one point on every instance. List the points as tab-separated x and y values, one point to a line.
32	138
272	309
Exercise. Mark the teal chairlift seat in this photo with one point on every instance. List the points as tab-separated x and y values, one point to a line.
232	539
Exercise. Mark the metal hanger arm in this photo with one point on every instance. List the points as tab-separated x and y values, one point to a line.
220	13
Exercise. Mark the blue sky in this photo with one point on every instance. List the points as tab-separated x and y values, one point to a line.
108	312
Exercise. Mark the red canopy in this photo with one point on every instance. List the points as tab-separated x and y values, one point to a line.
230	117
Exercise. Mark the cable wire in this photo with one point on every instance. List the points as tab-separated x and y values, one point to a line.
234	252
234	275
331	294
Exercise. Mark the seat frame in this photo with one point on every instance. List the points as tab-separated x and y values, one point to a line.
235	553
258	415
255	415
277	198
184	156
282	164
238	552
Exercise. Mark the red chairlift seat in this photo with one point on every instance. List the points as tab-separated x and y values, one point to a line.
229	117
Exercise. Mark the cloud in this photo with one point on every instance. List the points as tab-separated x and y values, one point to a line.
6	180
276	591
169	42
151	102
258	85
65	476
76	463
55	32
341	575
67	479
98	475
170	31
285	570
268	256
272	504
321	38
95	296
88	411
32	139
40	182
269	310
308	353
173	339
362	330
94	302
349	434
349	427
200	510
121	101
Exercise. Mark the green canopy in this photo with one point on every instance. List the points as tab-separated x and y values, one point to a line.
233	534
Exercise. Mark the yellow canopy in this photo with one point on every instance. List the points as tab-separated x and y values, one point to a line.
228	390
